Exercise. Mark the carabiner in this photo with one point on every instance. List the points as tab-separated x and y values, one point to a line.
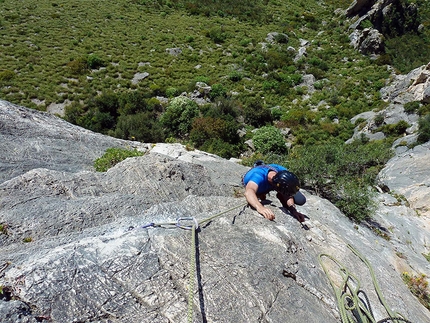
187	227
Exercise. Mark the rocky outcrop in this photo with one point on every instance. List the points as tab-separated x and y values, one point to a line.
81	246
374	20
403	89
38	136
368	41
414	86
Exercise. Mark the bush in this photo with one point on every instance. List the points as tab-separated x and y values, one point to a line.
269	139
256	114
235	76
341	173
142	126
221	148
354	199
418	285
424	129
379	119
206	128
172	92
94	62
218	90
113	156
179	116
6	75
78	66
217	35
394	130
411	107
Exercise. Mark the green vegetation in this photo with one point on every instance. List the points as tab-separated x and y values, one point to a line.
113	156
3	228
179	115
424	129
89	53
268	140
340	173
418	285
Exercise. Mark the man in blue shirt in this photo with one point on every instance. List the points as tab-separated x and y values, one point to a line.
262	179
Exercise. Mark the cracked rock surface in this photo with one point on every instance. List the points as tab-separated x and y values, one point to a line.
80	246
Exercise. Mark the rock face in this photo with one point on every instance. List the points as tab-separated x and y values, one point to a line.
42	140
80	246
387	18
403	89
368	41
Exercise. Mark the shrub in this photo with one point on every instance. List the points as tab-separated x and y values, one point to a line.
411	107
142	126
224	108
78	66
94	62
3	228
424	129
113	156
6	75
256	114
221	148
379	119
172	92
276	113
206	128
130	102
354	199
341	173
418	285
179	116
73	113
295	117
396	129
424	109
217	35
235	76
218	90
269	139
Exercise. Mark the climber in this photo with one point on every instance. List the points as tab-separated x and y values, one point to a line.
262	178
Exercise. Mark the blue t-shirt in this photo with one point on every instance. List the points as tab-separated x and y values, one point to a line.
259	175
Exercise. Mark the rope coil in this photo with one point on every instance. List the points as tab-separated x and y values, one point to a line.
351	306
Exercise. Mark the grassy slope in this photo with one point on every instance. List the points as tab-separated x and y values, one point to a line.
39	38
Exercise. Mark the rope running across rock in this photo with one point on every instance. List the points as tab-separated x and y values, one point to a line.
180	223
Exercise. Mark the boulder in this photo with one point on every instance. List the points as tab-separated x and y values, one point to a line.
368	41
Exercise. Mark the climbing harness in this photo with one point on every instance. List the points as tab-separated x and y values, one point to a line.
353	303
194	226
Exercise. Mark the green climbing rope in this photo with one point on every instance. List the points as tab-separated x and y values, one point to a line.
352	307
192	274
193	257
179	223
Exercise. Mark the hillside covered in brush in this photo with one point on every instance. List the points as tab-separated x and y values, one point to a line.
115	67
